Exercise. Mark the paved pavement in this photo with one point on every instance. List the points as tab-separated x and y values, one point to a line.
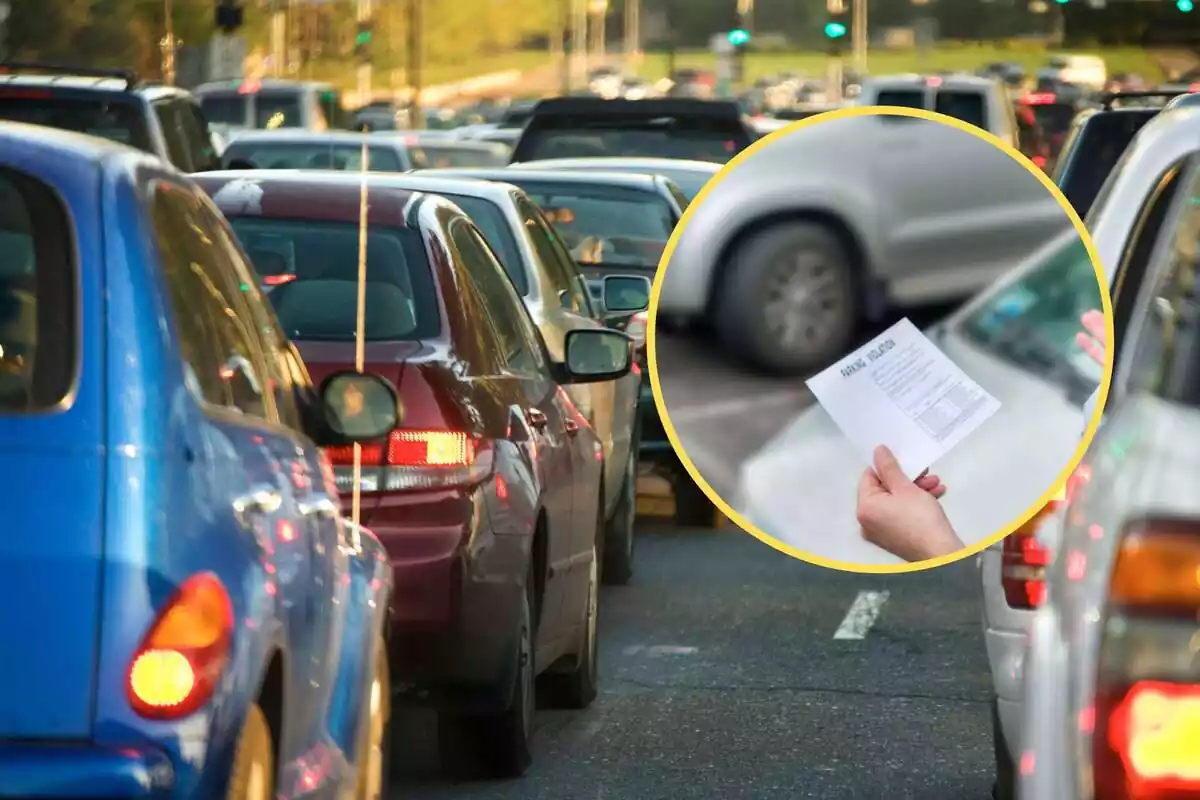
722	412
722	677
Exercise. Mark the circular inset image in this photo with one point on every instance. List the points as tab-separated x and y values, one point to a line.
876	340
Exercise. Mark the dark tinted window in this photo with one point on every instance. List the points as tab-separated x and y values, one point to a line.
37	296
501	303
278	110
199	137
223	364
224	109
905	98
316	155
1093	151
609	225
1032	323
1055	118
117	120
495	228
697	139
321	302
970	107
168	112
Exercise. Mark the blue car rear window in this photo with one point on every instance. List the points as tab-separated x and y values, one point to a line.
37	296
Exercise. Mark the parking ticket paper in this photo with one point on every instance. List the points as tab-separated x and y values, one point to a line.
900	390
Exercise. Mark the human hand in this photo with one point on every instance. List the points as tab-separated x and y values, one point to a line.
903	516
1092	338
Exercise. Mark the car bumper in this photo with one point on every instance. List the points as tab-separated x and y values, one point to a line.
456	598
67	772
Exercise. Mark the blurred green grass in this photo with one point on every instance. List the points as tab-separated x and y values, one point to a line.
389	67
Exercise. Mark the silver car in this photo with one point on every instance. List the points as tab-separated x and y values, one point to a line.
837	222
689	176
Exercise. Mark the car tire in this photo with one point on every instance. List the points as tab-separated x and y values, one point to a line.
764	305
253	774
693	509
616	567
375	740
499	745
577	689
1005	787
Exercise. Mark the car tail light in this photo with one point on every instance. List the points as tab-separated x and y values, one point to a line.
180	661
24	94
1039	98
278	280
1024	561
1040	161
1146	716
416	459
1195	87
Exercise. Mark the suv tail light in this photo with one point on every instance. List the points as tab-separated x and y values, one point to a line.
1145	723
416	459
1024	560
178	664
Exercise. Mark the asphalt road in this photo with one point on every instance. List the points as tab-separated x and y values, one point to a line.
723	412
722	677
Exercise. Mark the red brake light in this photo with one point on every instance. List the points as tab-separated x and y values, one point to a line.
1195	87
1024	562
417	459
1039	98
934	82
10	93
278	280
1039	161
178	664
249	87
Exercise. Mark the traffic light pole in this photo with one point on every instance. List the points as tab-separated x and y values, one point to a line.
416	45
835	73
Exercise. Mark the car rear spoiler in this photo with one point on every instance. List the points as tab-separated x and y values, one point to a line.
130	77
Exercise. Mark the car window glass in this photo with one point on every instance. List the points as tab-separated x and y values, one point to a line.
970	107
1166	356
224	109
169	120
560	281
1092	158
38	337
546	239
499	234
199	137
904	98
221	365
503	305
281	109
1032	322
119	119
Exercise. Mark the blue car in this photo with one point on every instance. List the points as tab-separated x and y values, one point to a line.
185	612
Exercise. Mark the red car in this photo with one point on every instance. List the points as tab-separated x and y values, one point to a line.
487	495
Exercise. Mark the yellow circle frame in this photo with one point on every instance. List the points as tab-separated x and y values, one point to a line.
1029	513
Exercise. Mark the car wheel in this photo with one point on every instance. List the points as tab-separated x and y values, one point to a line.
786	303
617	552
577	689
375	740
497	745
253	773
693	509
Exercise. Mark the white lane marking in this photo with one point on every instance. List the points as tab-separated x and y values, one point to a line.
861	616
660	650
728	408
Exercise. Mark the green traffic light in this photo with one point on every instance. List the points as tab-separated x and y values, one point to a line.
835	30
739	36
362	38
1185	5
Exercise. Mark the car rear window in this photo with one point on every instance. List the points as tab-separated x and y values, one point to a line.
37	296
606	225
489	218
119	120
1091	153
904	98
278	110
439	156
713	139
319	301
301	155
970	107
224	109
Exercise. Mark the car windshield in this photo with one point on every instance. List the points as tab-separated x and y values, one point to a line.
118	121
970	107
490	219
1093	151
605	224
311	155
1032	323
439	156
224	109
310	271
693	141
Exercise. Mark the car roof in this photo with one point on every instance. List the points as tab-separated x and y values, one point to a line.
324	195
648	183
955	81
421	181
304	135
600	162
266	84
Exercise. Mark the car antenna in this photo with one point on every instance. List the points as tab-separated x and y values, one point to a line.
360	332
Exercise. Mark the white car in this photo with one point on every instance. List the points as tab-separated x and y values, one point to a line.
1017	340
1013	572
1111	683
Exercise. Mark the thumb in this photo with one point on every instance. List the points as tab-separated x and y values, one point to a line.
888	469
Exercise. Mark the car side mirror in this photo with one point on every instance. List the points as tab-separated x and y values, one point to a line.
594	355
625	294
357	407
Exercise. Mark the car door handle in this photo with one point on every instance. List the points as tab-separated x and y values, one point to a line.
258	501
537	418
572	427
320	507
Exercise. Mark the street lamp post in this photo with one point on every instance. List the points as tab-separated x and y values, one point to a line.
168	44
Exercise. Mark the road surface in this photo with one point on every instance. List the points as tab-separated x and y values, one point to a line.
723	675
